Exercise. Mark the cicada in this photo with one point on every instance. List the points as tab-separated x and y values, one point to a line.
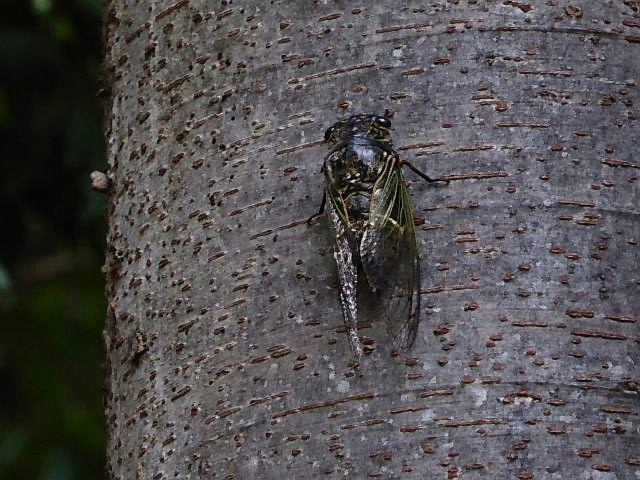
370	213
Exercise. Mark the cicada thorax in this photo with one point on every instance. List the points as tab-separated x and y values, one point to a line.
353	170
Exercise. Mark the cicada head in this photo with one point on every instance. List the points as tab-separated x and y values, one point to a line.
375	128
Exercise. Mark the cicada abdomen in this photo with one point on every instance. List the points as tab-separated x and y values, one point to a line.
369	209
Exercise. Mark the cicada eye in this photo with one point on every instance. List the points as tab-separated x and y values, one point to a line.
384	122
328	132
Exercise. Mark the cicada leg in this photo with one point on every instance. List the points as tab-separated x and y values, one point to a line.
424	175
321	211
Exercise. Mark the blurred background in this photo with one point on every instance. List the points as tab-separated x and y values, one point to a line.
52	304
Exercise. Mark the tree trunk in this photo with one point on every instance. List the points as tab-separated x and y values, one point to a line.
226	352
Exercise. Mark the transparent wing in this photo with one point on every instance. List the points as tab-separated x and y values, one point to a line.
343	246
390	257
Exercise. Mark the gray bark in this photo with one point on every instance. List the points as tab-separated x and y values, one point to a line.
226	355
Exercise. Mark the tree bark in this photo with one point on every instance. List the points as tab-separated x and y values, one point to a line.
226	352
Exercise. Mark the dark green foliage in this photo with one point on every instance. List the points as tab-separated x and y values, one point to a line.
51	289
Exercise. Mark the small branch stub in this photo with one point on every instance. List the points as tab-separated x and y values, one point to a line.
100	182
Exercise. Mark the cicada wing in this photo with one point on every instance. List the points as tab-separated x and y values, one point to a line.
390	256
344	246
